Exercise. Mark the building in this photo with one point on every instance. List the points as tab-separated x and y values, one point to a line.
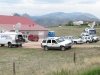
27	26
78	23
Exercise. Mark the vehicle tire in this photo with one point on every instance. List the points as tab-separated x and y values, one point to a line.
69	47
87	42
20	45
9	45
16	45
75	42
45	48
2	45
62	48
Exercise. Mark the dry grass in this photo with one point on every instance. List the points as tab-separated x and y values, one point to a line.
37	61
71	30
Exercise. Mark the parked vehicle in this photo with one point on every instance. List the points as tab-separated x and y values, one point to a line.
33	37
90	38
56	43
75	40
87	39
78	41
11	39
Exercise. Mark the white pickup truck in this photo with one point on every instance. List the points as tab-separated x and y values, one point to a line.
11	39
56	43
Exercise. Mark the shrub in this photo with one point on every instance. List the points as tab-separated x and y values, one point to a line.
94	71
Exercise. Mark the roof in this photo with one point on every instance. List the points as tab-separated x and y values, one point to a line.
10	33
8	22
53	38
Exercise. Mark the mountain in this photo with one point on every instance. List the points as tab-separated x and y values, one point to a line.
57	18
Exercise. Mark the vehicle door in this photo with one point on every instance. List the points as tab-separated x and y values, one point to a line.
83	38
49	44
55	44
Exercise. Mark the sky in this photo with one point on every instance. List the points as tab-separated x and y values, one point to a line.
41	7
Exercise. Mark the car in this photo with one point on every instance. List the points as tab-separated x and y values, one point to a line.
78	41
32	37
87	39
74	39
56	43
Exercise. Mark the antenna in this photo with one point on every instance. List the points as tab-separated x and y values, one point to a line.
17	27
91	25
1	29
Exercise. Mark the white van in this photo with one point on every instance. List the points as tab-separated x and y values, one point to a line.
11	39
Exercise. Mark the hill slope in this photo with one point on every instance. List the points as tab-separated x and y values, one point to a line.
57	18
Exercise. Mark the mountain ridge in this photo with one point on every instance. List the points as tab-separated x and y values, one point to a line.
57	18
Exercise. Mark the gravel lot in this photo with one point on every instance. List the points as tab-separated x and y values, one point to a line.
38	45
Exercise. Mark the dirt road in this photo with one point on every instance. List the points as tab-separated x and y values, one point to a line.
38	45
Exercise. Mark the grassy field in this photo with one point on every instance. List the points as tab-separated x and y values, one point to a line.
71	30
39	62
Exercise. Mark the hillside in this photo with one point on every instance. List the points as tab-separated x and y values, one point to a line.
56	18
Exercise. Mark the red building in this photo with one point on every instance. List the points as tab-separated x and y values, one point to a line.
28	27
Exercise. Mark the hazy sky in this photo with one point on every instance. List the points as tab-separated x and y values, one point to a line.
39	7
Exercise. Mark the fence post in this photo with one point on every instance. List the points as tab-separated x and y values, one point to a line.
14	69
74	58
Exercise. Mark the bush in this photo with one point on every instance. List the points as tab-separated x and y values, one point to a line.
94	71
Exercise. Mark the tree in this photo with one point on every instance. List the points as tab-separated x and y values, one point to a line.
16	14
70	23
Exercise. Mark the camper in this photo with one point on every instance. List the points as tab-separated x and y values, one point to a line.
89	31
11	39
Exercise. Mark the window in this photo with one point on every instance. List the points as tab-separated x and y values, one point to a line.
44	41
60	40
53	41
49	41
88	37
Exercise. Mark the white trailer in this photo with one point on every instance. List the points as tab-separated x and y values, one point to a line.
11	39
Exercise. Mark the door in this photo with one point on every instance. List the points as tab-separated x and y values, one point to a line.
55	44
49	44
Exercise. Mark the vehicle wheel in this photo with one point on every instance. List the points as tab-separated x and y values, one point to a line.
2	45
45	48
9	45
16	45
75	42
63	48
69	47
20	45
87	42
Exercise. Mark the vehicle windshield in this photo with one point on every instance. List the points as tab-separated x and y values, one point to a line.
92	32
19	36
60	40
